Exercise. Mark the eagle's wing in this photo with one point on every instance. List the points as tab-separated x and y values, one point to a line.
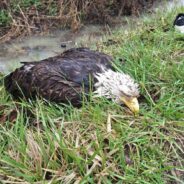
62	78
87	54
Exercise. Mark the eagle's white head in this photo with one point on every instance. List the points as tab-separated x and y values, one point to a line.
119	87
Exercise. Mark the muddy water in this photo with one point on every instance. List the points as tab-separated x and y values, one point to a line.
40	47
170	4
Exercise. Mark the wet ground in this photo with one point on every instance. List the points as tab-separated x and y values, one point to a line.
40	47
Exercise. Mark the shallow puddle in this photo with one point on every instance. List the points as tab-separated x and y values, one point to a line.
40	47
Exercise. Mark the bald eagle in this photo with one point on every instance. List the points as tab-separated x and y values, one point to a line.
179	22
68	76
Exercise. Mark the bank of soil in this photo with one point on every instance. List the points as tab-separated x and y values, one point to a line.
26	17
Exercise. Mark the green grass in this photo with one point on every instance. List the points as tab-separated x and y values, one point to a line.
4	18
48	143
11	10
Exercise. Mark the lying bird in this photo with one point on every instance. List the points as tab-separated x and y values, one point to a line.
179	22
68	76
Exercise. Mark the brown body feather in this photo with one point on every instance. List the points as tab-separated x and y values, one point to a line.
60	79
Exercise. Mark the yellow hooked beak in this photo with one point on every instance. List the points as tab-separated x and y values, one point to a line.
131	103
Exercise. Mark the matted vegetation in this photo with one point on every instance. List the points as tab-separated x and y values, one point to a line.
23	17
102	142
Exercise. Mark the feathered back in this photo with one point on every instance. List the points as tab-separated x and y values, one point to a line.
61	78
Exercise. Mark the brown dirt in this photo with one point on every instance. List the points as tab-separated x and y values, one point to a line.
26	20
